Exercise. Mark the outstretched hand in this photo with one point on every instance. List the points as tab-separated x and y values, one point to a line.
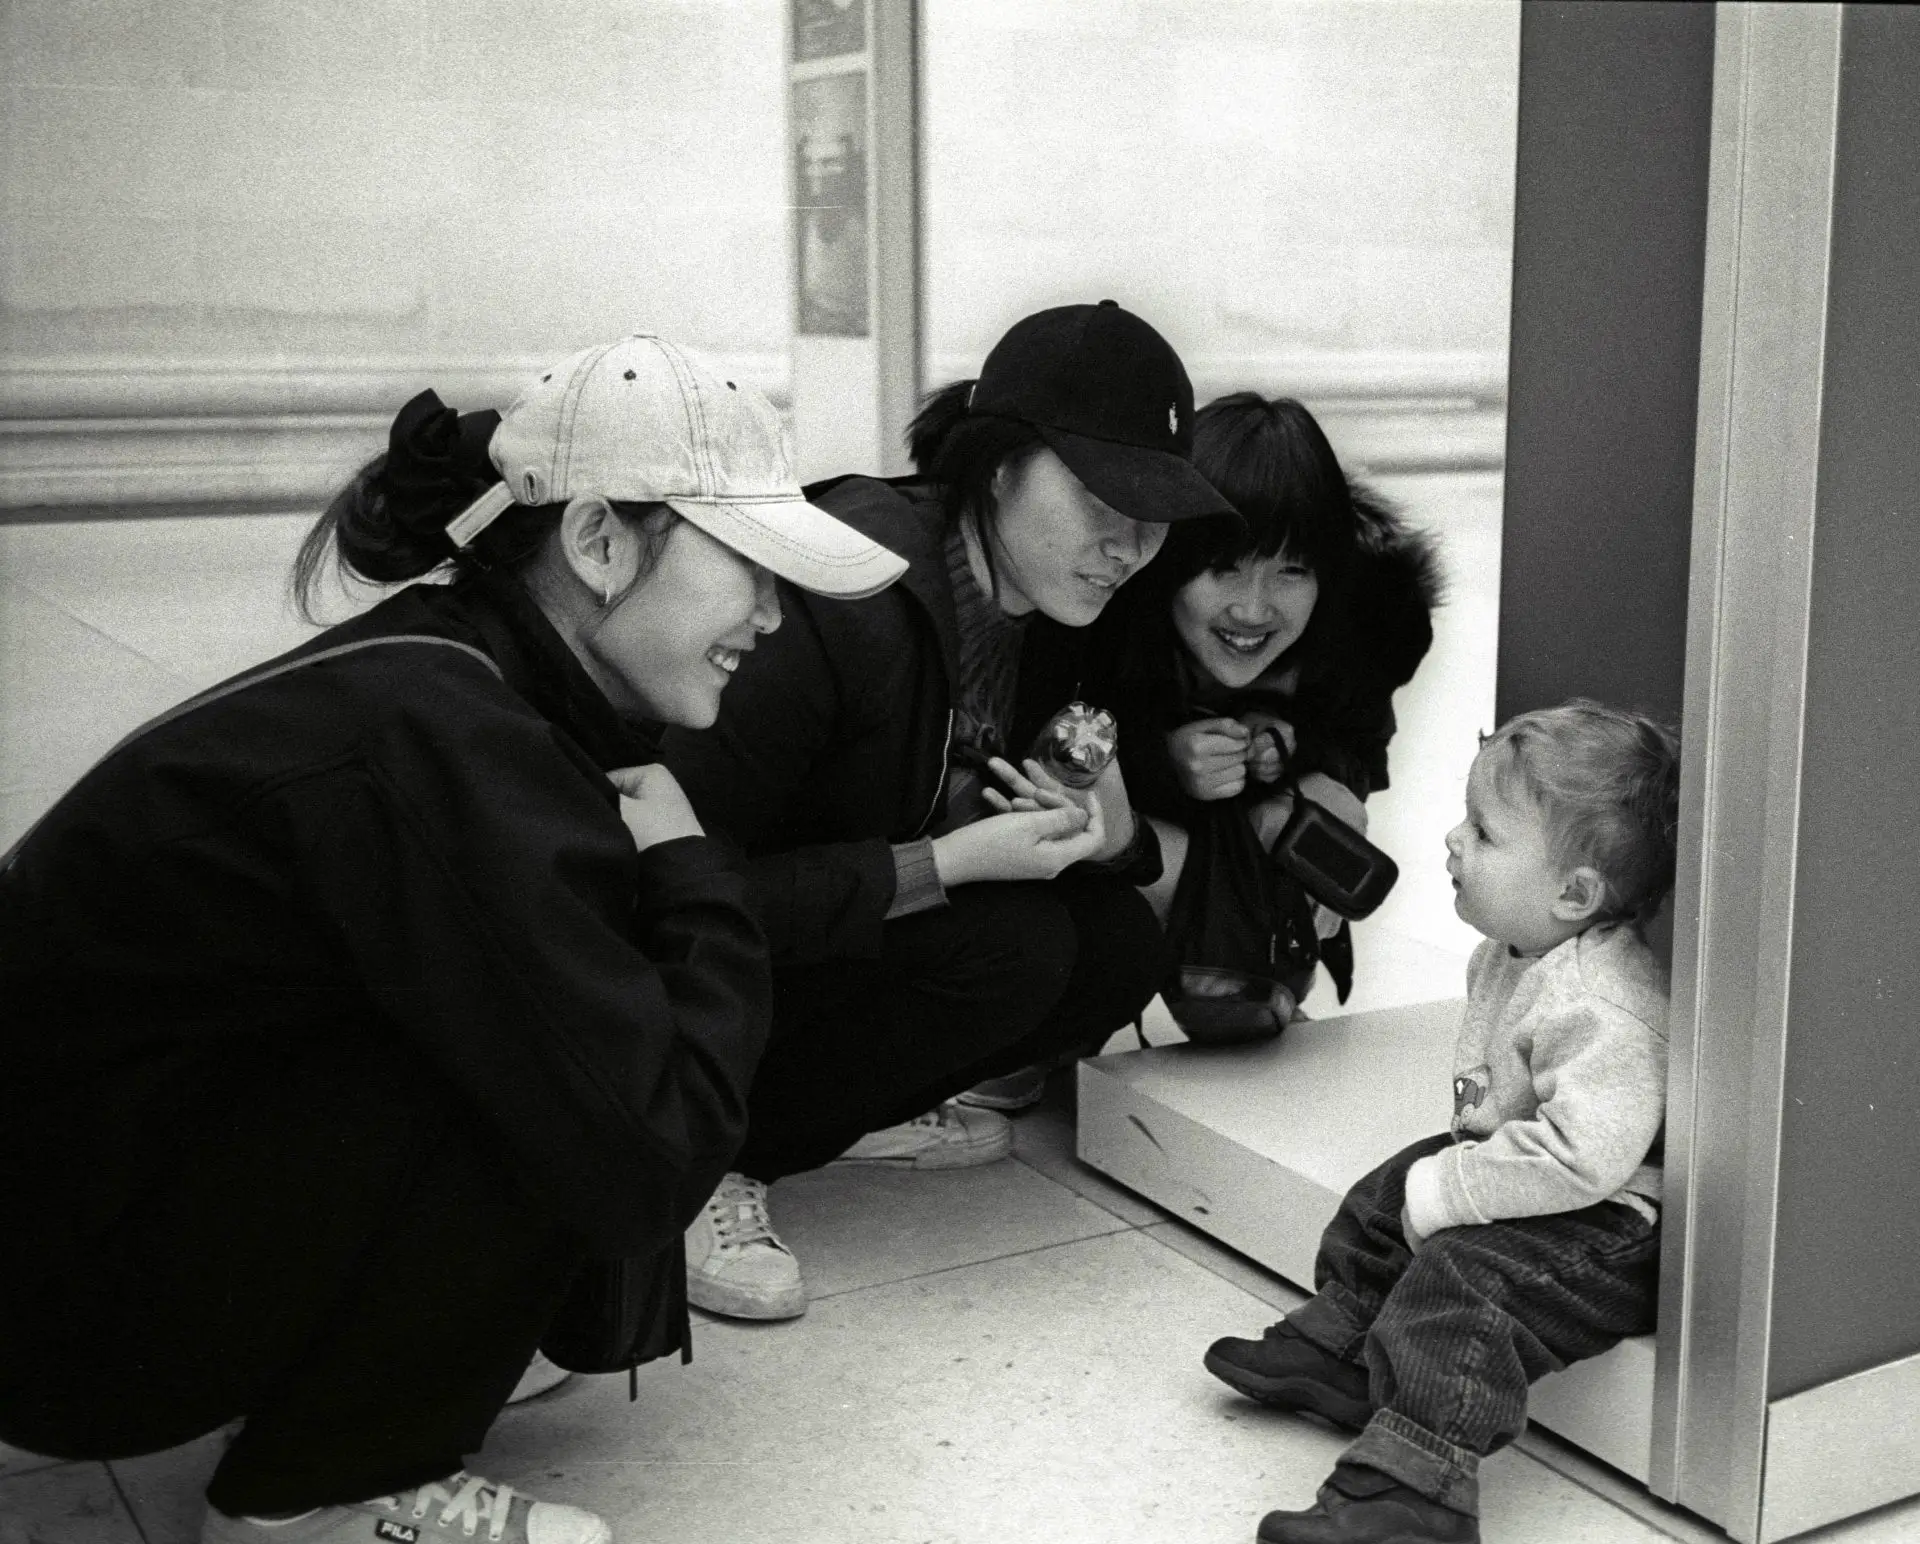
1026	843
1106	796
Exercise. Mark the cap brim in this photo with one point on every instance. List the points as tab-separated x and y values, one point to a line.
802	544
1151	485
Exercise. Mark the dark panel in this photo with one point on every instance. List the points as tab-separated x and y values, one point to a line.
1609	240
1848	1249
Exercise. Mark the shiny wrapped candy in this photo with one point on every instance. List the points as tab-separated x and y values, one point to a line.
1077	744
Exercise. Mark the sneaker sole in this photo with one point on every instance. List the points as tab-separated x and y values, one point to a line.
1002	1102
1305	1395
732	1302
530	1387
946	1156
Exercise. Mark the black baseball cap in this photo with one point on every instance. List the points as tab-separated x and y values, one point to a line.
1111	399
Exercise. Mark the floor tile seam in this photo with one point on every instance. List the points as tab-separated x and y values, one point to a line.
46	1468
1148	1231
1124	1222
98	631
1525	1450
968	1265
126	1502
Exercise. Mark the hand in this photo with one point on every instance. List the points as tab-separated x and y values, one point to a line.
653	805
1210	757
1107	794
1336	799
1269	748
1020	844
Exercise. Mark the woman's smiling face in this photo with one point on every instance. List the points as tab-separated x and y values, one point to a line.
1237	623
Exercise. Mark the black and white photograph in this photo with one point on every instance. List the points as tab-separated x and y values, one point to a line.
959	772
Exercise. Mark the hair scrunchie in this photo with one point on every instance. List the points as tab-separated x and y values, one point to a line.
437	463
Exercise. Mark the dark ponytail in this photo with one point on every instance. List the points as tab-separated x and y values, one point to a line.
389	524
960	452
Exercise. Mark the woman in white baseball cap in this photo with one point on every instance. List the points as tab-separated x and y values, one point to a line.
358	1003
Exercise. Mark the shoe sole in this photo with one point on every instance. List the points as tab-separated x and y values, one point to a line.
732	1302
1001	1102
527	1388
946	1156
1304	1395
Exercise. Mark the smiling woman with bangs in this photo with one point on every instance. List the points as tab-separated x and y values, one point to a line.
1260	649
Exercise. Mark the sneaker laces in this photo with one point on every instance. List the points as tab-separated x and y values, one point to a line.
476	1498
739	1212
939	1118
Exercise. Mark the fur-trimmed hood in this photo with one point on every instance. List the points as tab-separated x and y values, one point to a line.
1381	625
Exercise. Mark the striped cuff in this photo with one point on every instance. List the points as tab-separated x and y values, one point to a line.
916	882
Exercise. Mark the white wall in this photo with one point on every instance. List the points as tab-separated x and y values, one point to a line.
288	218
1316	196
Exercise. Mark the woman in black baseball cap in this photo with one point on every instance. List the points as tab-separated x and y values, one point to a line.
926	933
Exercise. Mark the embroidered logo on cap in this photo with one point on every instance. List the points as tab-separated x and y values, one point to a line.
399	1533
1173	418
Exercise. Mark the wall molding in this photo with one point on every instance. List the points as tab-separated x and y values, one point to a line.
106	435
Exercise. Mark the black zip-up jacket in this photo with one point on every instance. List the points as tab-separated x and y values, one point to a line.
415	840
832	740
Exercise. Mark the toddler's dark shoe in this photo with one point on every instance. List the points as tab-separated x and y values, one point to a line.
1359	1505
1286	1370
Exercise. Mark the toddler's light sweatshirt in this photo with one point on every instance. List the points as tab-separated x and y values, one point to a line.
1559	1087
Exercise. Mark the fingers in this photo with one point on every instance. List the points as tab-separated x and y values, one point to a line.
1003	769
1042	779
1225	728
1055	823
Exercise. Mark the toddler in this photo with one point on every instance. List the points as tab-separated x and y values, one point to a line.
1526	1237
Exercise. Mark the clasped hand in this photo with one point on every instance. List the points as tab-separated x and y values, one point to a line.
1214	757
653	805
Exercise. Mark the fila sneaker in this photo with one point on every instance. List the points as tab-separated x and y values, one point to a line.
449	1512
955	1136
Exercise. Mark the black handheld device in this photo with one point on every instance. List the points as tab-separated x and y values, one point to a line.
1334	863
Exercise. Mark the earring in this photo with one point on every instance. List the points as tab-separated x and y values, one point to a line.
606	599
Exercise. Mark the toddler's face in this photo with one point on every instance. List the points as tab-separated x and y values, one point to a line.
1505	880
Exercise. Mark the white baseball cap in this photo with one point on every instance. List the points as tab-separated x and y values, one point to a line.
647	421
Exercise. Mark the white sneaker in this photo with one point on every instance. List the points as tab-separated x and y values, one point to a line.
1015	1091
540	1376
445	1513
736	1264
955	1136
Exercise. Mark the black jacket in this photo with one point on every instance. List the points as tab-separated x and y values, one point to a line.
832	740
412	839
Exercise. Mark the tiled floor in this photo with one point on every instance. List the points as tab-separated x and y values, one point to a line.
997	1354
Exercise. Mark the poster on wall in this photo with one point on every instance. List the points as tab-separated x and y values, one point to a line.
825	28
831	218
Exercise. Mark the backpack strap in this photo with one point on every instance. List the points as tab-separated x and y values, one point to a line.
214	694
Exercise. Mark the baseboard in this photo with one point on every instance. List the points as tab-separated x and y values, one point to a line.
1842	1448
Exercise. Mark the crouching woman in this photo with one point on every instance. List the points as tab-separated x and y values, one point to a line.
356	1004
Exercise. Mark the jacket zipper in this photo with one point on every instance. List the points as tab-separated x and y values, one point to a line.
940	784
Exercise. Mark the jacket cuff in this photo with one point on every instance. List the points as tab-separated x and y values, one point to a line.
1429	1206
682	858
916	882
